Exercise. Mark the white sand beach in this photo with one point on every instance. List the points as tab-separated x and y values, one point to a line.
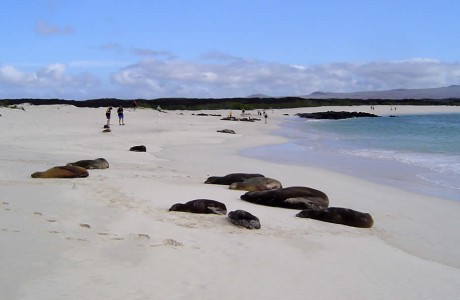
111	236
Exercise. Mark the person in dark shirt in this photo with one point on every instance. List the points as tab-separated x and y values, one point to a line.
107	114
121	120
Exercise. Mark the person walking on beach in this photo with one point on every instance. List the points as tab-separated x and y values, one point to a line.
159	109
121	120
107	114
265	117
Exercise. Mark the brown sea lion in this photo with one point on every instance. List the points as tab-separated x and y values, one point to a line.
231	178
256	184
62	172
201	206
339	215
98	163
296	197
244	219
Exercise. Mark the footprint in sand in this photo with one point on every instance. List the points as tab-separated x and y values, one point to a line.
143	236
170	243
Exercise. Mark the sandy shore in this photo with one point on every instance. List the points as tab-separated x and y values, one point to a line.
110	235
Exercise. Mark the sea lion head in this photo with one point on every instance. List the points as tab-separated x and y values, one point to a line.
177	207
212	179
36	175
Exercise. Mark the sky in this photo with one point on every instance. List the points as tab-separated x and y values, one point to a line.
128	49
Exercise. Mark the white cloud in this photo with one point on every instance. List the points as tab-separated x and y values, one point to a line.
238	77
10	75
50	81
221	75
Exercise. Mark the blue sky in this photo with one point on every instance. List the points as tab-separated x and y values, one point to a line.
85	49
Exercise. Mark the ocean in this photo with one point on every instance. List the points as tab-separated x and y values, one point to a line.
418	153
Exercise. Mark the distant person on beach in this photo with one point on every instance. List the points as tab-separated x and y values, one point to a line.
159	109
134	104
107	114
121	120
265	117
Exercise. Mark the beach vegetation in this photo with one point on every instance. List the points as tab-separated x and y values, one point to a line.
233	103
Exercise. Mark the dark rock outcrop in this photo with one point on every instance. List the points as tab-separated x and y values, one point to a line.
335	115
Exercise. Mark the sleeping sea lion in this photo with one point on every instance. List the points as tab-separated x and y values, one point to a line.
140	148
339	215
256	184
201	206
231	178
98	163
296	197
62	172
244	219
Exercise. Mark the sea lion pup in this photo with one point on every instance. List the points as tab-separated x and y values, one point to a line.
244	219
295	197
62	172
231	178
339	215
256	184
201	206
98	163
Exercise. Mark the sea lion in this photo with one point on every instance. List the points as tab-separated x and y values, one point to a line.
201	206
244	219
62	172
98	163
339	215
231	178
296	197
140	148
256	184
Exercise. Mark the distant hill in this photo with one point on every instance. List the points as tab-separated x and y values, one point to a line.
449	92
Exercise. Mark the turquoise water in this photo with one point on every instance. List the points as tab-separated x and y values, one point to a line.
420	153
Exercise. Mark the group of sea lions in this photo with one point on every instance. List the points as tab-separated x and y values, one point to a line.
254	182
78	169
314	204
206	206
